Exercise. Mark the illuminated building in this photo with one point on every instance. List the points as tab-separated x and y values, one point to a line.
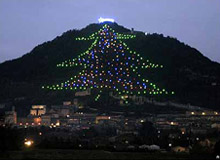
67	103
37	110
37	120
11	116
98	118
45	120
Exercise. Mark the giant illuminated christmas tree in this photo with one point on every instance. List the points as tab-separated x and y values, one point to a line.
109	64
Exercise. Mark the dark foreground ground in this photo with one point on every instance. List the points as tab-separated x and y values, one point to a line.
95	154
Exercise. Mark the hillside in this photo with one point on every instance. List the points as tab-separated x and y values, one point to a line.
194	78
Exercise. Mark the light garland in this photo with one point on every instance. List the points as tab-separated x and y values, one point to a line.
109	63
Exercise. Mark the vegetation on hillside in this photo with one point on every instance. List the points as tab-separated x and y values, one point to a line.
194	78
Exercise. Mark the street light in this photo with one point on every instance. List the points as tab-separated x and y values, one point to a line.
28	143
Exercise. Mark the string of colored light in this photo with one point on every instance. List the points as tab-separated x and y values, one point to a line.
109	63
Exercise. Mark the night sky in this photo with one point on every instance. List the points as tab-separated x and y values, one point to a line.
27	23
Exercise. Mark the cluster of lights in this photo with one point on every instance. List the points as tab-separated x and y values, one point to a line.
109	63
28	143
98	96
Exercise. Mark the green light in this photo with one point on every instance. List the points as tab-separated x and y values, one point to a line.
82	59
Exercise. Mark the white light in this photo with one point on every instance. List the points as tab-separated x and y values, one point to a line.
217	157
28	143
101	20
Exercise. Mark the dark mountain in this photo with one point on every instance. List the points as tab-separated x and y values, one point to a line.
194	78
